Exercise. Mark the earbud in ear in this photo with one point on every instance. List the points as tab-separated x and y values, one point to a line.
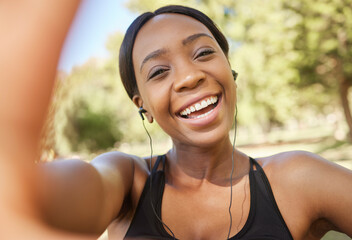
234	74
141	111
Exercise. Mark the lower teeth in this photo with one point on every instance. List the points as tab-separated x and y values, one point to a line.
204	114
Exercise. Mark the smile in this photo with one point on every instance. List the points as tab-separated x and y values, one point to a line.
200	109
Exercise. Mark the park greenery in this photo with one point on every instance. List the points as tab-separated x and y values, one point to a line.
294	60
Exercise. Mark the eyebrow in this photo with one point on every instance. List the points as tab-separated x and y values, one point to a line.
193	37
151	55
162	51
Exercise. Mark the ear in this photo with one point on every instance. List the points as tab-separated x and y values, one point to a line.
138	101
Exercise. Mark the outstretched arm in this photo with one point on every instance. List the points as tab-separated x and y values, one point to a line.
32	34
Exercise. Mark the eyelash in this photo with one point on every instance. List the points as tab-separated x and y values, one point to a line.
157	72
204	53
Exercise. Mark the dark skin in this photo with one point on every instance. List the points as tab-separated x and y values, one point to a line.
189	68
32	34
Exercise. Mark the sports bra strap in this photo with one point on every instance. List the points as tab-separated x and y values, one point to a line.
251	162
256	164
157	162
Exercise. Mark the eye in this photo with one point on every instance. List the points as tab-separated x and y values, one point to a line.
157	72
204	52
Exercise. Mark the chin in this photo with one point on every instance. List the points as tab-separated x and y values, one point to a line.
205	139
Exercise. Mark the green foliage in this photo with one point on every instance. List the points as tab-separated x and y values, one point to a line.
289	55
86	119
144	5
91	131
322	40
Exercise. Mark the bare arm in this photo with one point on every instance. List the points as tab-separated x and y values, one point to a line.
314	194
84	197
32	34
332	194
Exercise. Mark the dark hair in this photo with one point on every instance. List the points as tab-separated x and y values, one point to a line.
127	74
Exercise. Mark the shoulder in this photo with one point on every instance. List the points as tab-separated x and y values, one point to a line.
116	160
290	159
123	162
305	171
320	189
300	167
129	170
294	164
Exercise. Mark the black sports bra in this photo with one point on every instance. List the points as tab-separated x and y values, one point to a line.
264	219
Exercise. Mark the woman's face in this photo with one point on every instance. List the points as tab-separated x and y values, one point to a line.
184	80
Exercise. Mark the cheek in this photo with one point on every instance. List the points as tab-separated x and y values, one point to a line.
158	100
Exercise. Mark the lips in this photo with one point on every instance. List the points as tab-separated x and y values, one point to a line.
200	109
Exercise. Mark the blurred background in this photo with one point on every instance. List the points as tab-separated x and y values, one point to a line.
294	60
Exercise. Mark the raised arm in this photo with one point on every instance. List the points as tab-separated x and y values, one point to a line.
32	34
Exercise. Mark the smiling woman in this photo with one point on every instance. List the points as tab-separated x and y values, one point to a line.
179	53
174	66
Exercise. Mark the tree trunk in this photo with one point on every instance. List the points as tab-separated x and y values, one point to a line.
344	87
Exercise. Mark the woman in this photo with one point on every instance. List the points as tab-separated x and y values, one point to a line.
175	69
180	54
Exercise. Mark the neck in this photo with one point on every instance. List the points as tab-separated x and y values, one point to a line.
193	165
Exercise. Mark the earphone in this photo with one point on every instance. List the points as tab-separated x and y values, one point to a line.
234	74
141	110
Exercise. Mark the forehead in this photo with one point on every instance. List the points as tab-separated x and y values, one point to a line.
165	30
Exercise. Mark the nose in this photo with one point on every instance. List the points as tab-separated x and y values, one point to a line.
188	79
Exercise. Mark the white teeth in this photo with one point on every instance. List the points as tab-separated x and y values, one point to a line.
204	114
200	105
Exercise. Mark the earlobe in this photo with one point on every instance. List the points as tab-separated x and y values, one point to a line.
149	117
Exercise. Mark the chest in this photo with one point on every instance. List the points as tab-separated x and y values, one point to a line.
205	214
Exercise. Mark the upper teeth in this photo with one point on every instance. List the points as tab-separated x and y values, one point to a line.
200	105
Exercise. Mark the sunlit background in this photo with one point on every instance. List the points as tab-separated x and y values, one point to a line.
294	60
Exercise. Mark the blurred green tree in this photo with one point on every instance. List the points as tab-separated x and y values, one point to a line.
85	118
322	42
